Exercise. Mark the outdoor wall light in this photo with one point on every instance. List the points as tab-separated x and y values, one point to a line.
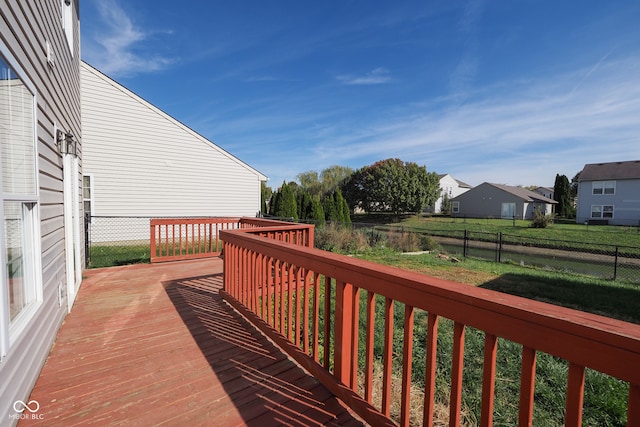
67	143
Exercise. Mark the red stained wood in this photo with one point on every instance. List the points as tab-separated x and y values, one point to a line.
156	344
583	339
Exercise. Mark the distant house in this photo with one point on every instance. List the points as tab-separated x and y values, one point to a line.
138	161
500	201
41	238
449	187
609	193
544	191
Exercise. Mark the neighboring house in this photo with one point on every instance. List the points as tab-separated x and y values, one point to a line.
140	162
500	201
544	191
609	193
41	238
450	187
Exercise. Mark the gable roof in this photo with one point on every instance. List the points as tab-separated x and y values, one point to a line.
523	193
461	184
88	68
612	170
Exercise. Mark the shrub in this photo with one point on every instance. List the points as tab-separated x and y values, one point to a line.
340	239
541	220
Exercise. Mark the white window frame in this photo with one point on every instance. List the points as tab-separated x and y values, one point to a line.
66	7
91	199
11	330
603	188
604	211
455	207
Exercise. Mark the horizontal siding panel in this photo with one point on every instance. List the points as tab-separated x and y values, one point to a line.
26	26
145	163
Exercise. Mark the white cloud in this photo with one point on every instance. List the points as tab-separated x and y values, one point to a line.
377	76
518	133
116	49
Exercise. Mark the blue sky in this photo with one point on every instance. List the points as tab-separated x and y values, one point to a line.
511	92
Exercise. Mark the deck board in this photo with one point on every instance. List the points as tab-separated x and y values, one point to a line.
156	345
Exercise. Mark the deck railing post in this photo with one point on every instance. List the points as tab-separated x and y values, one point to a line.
343	331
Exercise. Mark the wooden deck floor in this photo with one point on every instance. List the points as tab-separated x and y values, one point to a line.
157	345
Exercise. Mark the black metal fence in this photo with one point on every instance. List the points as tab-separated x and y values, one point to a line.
606	261
117	240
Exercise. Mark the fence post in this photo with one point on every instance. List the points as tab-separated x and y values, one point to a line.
615	265
465	243
500	246
87	221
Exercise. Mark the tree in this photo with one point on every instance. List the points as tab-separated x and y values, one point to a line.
266	193
562	194
310	182
317	213
574	187
325	182
392	186
333	177
285	205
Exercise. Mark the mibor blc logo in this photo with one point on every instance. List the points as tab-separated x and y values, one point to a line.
26	410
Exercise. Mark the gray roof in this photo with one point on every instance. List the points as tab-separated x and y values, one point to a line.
462	184
523	193
612	170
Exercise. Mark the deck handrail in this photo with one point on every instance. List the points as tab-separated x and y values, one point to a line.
173	239
277	285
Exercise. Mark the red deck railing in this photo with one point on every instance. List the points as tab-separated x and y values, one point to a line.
175	239
307	300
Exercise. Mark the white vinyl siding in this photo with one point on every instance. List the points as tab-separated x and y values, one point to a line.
145	163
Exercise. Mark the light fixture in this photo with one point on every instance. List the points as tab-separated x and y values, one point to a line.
67	143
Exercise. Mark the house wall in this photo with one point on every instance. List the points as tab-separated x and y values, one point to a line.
485	201
448	185
626	202
25	29
145	163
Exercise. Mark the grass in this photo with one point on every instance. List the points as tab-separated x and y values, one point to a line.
596	236
110	255
609	298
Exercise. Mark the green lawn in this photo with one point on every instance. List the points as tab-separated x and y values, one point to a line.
594	235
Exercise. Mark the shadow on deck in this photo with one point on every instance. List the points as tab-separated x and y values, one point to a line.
156	344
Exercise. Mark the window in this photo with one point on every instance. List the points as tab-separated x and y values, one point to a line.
602	211
19	234
603	187
455	207
87	194
508	210
67	22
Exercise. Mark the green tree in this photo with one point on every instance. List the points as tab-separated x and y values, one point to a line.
310	182
266	193
285	206
332	177
317	213
342	206
392	186
562	194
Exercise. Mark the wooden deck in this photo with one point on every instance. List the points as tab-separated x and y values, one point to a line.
157	345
